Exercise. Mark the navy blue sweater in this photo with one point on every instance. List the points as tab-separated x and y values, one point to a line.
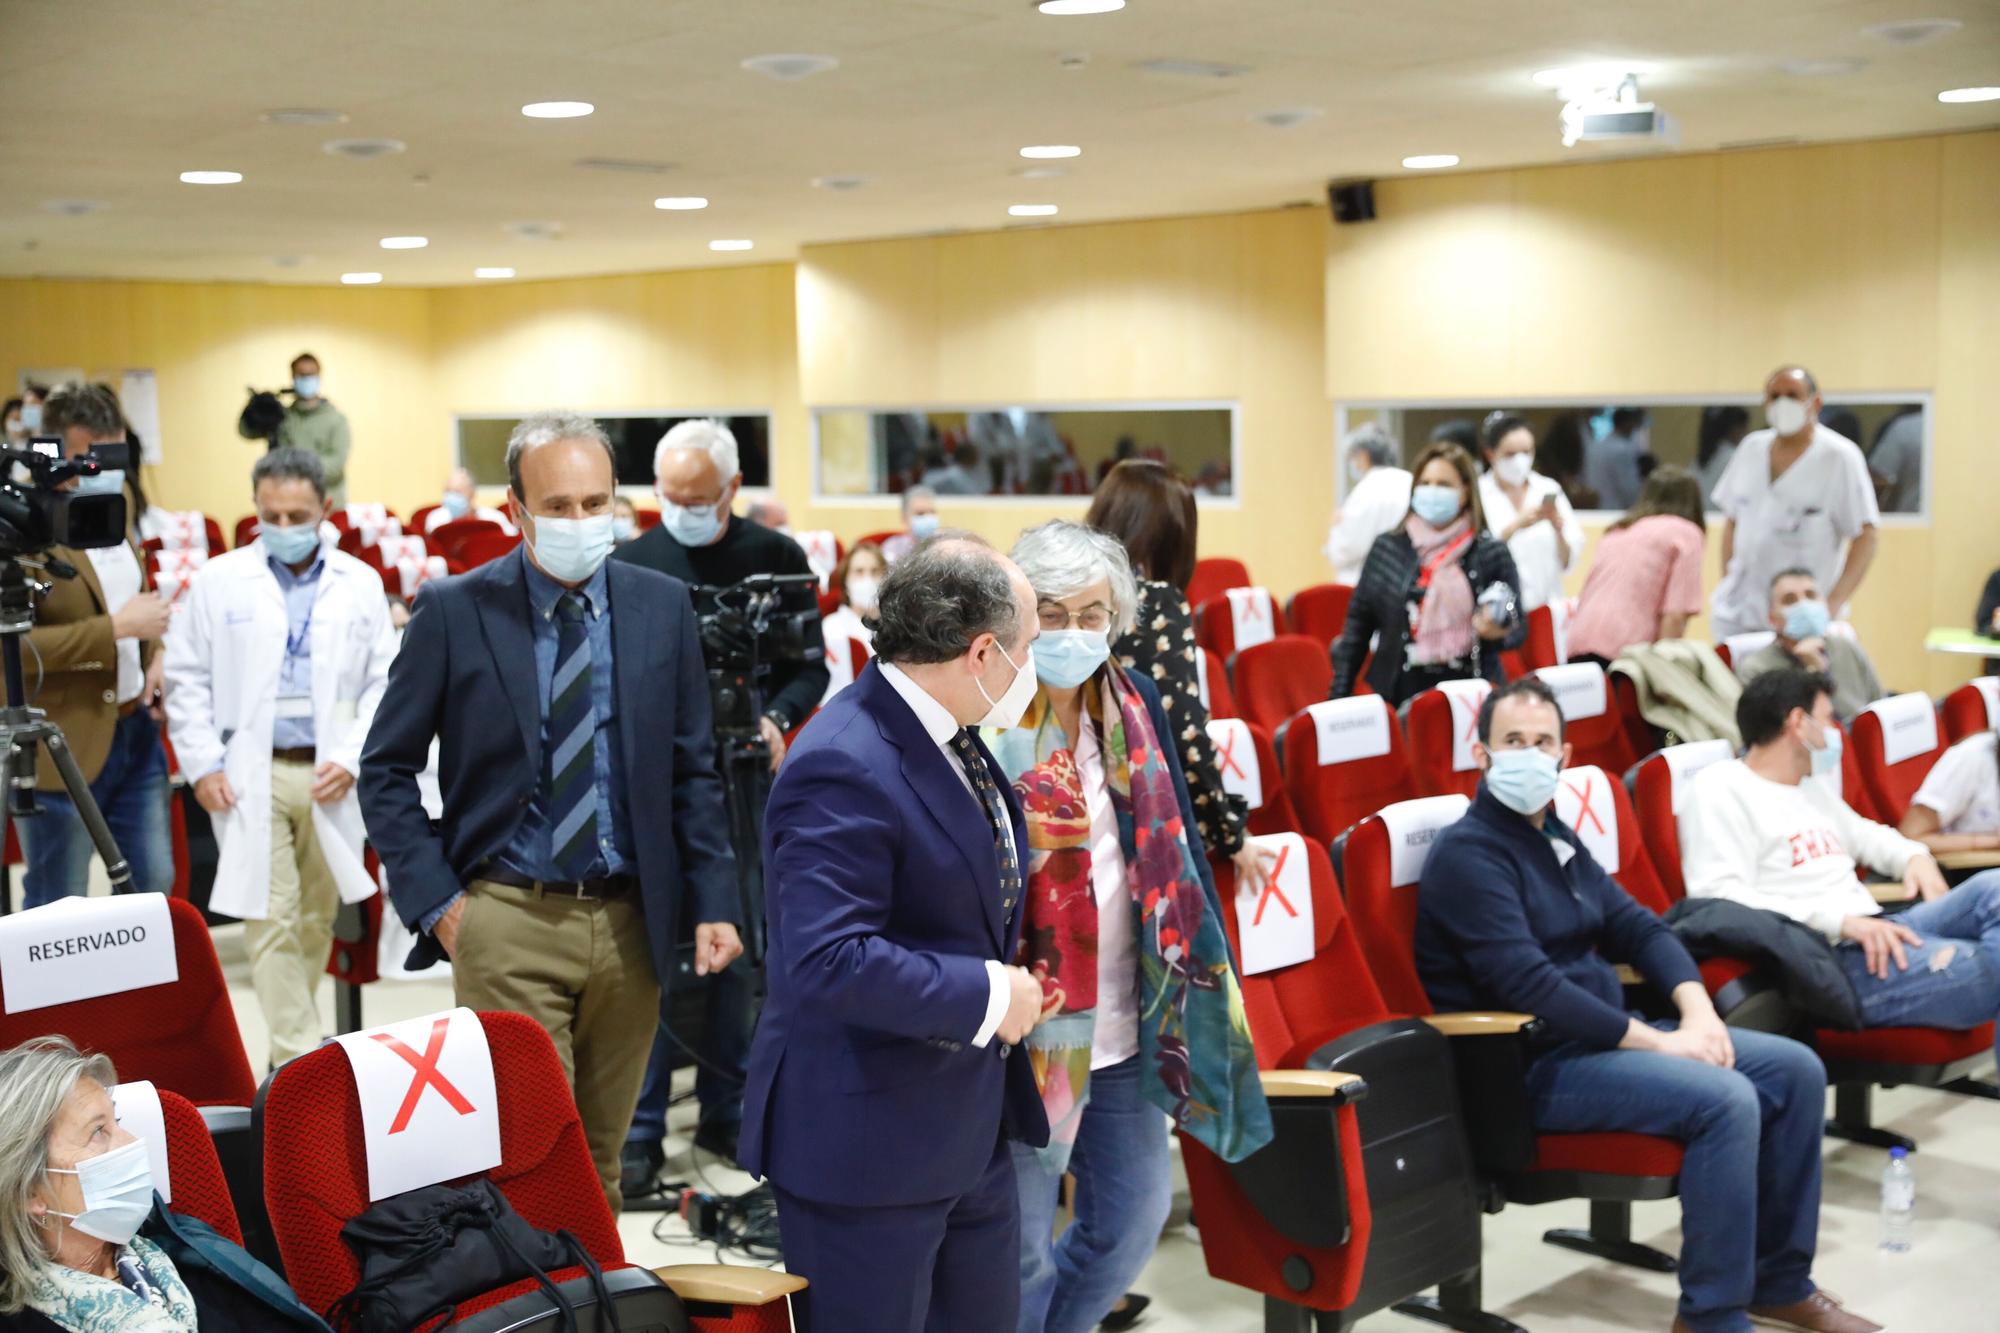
1503	923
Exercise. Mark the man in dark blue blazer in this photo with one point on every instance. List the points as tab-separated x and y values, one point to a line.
576	759
884	1083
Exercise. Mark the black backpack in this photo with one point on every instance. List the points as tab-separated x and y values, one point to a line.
424	1251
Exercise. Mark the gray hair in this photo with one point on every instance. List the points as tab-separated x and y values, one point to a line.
290	465
940	597
36	1078
706	434
1374	440
919	492
546	428
1062	558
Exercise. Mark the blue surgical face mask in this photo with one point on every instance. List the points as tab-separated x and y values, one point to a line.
1806	620
571	549
1435	505
117	1193
31	417
1522	780
691	525
111	481
305	386
289	544
1065	658
1827	759
624	529
456	504
923	526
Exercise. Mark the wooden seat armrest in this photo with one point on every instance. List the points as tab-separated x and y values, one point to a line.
1888	891
1476	1023
1313	1083
1968	860
728	1284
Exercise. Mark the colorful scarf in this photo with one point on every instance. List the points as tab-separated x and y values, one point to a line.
86	1303
1441	630
1193	1035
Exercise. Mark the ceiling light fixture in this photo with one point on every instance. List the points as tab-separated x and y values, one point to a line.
680	203
360	279
1957	95
1051	150
790	68
211	177
556	110
1042	173
731	245
1913	32
362	150
484	272
839	184
405	242
1031	210
1284	118
1069	8
303	116
1431	161
73	208
1592	76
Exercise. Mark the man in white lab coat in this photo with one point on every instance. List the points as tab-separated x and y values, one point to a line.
1377	499
275	664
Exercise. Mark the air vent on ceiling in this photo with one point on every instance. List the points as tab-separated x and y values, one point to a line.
1913	32
790	68
839	184
1193	69
363	150
300	115
1286	118
631	166
534	231
73	208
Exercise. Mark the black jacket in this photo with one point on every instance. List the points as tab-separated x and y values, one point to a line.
1381	605
1800	959
1982	619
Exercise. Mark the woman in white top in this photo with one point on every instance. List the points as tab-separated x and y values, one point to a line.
1958	807
1527	510
849	628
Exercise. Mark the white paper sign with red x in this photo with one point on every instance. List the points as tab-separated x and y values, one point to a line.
1466	696
1585	803
1236	759
1275	922
428	1108
1251	617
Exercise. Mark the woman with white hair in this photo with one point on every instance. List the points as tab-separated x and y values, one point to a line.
1142	1013
85	1246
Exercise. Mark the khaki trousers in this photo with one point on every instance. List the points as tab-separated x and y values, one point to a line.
581	968
288	949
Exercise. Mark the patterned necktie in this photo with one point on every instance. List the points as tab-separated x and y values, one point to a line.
569	744
995	806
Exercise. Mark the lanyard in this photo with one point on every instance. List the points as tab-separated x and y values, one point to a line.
300	644
1438	561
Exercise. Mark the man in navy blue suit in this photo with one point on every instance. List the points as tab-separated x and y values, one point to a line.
576	758
884	1081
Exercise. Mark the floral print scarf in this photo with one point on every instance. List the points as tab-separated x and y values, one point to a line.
1193	1035
86	1303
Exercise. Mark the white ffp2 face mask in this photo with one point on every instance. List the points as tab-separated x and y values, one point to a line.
1515	469
1006	711
117	1193
1787	416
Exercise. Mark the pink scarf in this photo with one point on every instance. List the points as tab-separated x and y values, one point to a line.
1442	628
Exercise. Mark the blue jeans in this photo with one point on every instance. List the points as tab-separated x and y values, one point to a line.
1750	1179
132	792
724	1045
1123	1191
1953	977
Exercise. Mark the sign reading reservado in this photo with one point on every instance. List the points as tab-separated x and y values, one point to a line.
80	948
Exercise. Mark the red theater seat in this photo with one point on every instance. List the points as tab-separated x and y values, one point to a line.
1905	725
1248	760
1598	810
1231	621
1274	680
1658	784
1592	723
1439	725
1343	759
1319	612
1215	576
1212	679
1539	649
246	530
450	539
1972	707
194	1171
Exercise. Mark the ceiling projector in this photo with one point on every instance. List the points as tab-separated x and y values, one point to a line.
1615	114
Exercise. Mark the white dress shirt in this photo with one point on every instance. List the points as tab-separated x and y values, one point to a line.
119	575
1372	506
1115	1037
941	726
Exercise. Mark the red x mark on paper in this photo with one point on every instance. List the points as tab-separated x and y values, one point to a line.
426	1066
1250	607
1583	810
1271	889
1225	754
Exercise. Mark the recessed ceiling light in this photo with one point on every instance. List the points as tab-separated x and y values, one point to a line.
304	116
1431	161
1066	8
1031	210
1285	118
1969	95
534	231
1822	69
730	245
1042	173
556	110
210	177
839	184
1590	76
405	242
680	203
1192	69
362	150
633	166
288	261
790	68
73	208
1051	150
483	272
1913	32
360	279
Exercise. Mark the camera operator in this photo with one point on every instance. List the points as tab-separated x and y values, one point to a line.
700	542
96	642
317	426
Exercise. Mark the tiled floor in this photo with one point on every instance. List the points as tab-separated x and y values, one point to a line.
1944	1284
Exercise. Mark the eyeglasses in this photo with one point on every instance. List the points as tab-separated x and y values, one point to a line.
1056	618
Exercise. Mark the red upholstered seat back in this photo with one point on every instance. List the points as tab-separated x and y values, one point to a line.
1596	806
316	1171
1331	797
1226	625
1910	722
1972	707
1319	612
1657	785
1237	743
194	1171
1853	784
1214	680
1539	649
246	530
1592	723
1380	862
1431	727
451	538
1215	576
1277	679
181	1036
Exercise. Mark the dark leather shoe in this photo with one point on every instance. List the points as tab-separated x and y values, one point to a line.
717	1139
639	1166
1119	1320
1817	1313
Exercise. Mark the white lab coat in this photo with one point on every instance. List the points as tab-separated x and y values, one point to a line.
1372	506
225	650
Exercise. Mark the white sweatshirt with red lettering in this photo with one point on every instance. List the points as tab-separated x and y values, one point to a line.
1790	849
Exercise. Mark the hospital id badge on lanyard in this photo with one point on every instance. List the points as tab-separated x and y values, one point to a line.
294	706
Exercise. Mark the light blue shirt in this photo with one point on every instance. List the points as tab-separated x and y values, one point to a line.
295	677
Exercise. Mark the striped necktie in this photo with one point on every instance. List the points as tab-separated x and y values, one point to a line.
995	806
569	744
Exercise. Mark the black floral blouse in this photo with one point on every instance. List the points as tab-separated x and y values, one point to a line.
1162	646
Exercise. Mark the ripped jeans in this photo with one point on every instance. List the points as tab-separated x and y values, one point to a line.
1953	977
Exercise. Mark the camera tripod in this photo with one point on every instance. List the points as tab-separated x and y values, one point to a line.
23	728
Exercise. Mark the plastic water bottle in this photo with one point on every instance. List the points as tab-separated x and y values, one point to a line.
1899	1201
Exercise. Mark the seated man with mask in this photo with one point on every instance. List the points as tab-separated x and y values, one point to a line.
1804	642
1513	913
